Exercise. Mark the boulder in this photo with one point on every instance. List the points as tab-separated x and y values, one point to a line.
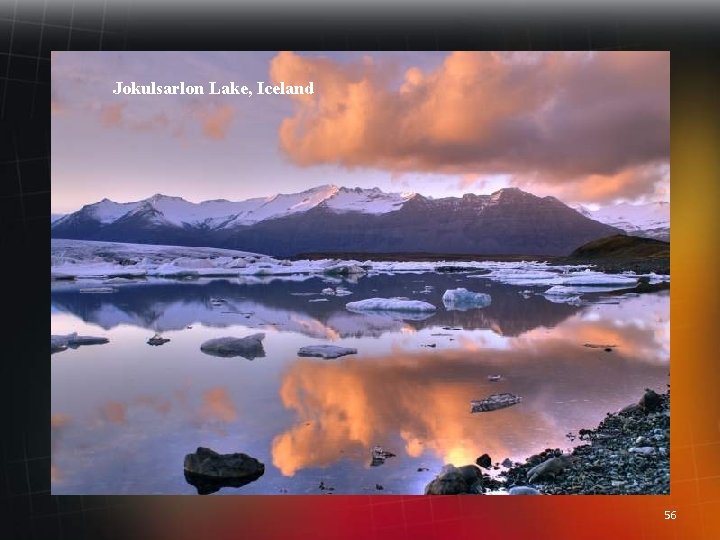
449	482
523	490
325	351
379	455
455	481
209	471
249	347
484	461
650	401
73	341
550	467
494	402
157	340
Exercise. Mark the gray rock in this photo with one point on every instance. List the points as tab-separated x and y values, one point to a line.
449	482
650	401
73	341
642	450
209	471
379	455
550	467
523	490
470	473
157	340
249	347
325	351
494	402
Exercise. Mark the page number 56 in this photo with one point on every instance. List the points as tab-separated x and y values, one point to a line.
670	514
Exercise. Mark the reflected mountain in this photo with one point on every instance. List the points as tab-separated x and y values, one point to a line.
162	306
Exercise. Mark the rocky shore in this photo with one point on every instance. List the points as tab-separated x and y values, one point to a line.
627	454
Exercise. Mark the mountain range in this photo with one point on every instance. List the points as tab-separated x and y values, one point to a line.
650	220
337	219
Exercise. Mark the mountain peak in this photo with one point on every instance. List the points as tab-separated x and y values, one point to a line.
160	197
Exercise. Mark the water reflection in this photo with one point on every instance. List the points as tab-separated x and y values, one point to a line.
168	306
424	397
125	414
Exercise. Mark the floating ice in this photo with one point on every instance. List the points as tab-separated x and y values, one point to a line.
93	290
390	304
461	299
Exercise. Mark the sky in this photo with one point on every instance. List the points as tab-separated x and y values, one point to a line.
590	128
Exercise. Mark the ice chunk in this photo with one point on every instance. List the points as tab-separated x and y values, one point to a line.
325	351
345	269
462	299
93	290
390	304
249	347
564	299
589	277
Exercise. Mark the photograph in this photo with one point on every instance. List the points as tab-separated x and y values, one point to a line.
360	272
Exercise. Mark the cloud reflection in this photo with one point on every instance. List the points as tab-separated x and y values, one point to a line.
421	399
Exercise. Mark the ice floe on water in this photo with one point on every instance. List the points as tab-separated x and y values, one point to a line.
119	263
390	304
461	299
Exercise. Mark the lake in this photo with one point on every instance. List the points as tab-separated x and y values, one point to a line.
124	414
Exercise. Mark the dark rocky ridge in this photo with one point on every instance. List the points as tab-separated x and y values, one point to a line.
621	253
508	222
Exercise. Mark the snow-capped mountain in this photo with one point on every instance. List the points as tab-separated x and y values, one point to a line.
650	220
337	219
221	213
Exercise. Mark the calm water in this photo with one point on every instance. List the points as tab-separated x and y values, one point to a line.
125	413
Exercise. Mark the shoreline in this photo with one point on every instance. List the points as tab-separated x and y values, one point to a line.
628	453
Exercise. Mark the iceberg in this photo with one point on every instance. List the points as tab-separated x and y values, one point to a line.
461	299
97	290
390	304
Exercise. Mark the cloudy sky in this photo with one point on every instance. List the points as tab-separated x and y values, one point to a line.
591	128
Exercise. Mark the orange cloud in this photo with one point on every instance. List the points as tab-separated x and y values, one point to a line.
115	412
111	115
59	420
216	121
562	117
217	405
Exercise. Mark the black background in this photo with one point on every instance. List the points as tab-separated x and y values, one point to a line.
28	34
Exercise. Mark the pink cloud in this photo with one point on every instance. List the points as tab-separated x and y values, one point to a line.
555	118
